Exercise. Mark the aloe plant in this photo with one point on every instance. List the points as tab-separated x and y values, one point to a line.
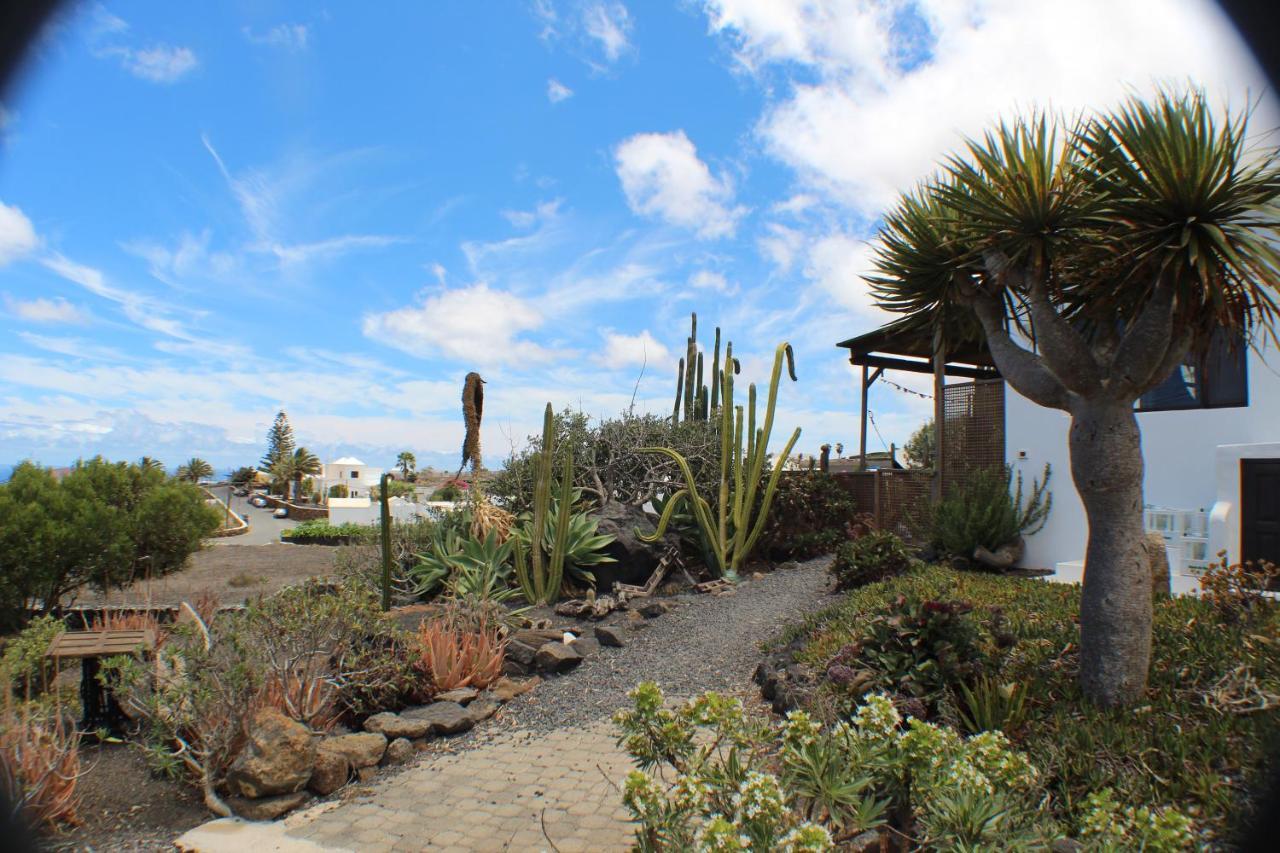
540	571
730	531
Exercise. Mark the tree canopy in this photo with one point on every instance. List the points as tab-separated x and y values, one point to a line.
103	525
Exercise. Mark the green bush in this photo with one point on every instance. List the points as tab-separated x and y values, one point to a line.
1197	741
103	525
983	513
24	667
913	649
322	532
450	491
712	778
809	516
870	558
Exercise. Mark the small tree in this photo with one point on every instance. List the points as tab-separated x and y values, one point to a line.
1117	246
921	448
194	470
304	464
406	463
280	441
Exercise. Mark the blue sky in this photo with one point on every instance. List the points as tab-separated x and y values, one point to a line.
211	212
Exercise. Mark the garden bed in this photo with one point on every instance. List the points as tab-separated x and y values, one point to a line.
1197	741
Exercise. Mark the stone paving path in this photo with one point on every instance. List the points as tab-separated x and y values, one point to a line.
498	795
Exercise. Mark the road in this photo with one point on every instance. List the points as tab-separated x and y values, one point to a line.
264	529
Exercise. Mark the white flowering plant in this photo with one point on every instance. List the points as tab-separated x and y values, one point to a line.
712	778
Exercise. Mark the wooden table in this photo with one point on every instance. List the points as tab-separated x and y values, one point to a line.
101	709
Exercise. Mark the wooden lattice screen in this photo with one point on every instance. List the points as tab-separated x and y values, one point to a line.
973	429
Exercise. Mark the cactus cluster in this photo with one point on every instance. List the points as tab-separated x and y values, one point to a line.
694	402
541	572
731	530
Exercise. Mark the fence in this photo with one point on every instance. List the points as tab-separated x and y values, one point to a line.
972	440
972	431
892	496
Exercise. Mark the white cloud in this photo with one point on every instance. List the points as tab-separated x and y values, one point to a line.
474	324
41	310
837	263
708	280
890	100
557	91
609	24
662	176
632	350
17	234
781	245
161	63
302	253
543	212
599	31
287	36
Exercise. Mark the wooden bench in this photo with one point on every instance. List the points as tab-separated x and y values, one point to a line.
101	710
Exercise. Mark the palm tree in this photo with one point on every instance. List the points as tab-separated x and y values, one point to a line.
305	464
406	463
194	470
1120	245
282	472
149	463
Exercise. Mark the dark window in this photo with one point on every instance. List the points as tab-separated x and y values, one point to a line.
1215	379
355	474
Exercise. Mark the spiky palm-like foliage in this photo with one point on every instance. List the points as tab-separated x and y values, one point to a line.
1116	246
305	464
194	470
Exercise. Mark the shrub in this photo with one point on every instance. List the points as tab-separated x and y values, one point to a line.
607	464
311	652
321	532
914	649
450	490
809	516
1198	740
873	557
1236	590
24	667
711	778
339	490
39	766
983	514
103	525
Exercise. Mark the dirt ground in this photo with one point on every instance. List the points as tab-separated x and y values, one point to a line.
231	572
124	806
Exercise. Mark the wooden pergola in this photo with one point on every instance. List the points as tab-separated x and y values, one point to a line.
917	347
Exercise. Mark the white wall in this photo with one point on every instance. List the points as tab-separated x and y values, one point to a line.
365	511
1180	450
366	478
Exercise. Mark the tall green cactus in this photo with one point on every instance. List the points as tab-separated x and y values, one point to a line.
538	573
694	400
730	530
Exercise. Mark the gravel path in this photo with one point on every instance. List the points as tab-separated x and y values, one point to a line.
706	643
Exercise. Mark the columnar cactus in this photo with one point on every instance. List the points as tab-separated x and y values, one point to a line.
731	530
541	573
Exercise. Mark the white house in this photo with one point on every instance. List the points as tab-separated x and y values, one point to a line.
1211	445
1210	442
359	478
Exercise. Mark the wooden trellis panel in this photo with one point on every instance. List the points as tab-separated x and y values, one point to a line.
973	429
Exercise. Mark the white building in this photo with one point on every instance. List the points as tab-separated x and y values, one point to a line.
359	478
1210	443
365	511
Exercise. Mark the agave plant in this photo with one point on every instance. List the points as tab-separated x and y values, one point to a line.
463	565
583	545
